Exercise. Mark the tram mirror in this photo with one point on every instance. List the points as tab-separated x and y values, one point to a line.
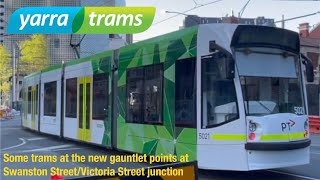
230	68
309	72
309	68
212	46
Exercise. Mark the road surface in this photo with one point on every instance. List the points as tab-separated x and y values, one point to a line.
17	141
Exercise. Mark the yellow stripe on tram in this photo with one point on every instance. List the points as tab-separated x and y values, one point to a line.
297	135
268	137
264	137
229	137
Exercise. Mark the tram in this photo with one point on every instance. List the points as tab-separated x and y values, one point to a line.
230	96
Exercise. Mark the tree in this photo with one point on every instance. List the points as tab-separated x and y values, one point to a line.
5	73
34	55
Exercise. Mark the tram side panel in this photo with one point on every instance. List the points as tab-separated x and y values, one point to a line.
26	115
50	103
221	128
87	101
73	113
31	103
150	120
25	122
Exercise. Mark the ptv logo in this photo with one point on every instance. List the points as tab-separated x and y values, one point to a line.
287	125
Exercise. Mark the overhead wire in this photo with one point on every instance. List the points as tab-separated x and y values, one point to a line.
243	8
196	7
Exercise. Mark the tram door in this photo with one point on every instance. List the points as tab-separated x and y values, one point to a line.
33	106
84	108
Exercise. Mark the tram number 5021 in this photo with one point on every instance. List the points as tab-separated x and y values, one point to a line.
299	110
204	136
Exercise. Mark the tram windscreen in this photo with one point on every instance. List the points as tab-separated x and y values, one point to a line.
271	95
270	84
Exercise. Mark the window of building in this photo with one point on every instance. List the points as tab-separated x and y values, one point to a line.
56	43
185	93
29	100
50	98
100	99
314	58
144	94
71	98
219	100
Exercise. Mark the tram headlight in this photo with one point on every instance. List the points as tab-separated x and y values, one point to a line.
252	126
306	125
252	129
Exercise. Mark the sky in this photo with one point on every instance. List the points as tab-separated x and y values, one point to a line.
268	8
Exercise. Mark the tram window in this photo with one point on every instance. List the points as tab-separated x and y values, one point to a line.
81	100
36	99
25	102
29	100
50	98
135	80
153	94
185	93
100	97
144	94
88	110
71	98
219	100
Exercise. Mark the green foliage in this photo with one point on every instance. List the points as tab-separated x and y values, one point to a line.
34	55
5	73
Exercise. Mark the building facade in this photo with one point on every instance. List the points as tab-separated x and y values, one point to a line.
310	46
1	21
192	20
61	47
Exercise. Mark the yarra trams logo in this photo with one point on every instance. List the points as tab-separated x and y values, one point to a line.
81	20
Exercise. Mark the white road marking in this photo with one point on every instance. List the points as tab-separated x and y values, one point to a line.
21	139
66	149
295	175
8	128
315	145
47	148
35	139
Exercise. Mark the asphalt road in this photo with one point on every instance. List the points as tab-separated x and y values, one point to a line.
17	141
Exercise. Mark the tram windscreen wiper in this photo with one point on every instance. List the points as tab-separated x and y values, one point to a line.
265	107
